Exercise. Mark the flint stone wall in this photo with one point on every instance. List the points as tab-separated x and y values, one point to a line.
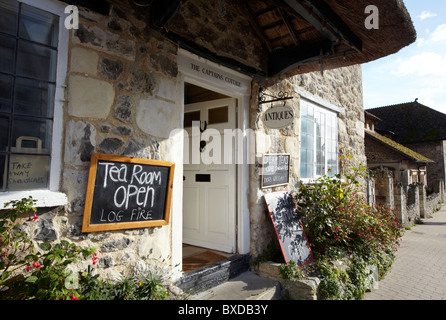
121	100
340	87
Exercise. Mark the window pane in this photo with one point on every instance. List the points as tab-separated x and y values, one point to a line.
28	172
191	116
310	156
6	53
36	61
8	16
37	132
39	26
5	93
303	171
218	115
4	133
303	156
310	171
34	98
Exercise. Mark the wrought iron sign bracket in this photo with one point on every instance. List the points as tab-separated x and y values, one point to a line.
263	96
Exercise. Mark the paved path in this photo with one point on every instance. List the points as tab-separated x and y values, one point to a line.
419	270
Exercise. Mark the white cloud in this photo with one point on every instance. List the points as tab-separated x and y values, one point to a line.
426	14
438	35
423	64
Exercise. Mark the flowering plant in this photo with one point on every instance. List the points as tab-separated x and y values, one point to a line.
337	219
27	273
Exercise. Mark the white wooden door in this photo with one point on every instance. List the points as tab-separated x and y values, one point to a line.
209	189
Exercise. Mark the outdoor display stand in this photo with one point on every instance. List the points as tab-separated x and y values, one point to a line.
289	230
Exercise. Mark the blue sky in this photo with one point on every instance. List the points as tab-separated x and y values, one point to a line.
417	71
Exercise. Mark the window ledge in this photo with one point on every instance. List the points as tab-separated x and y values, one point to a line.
45	198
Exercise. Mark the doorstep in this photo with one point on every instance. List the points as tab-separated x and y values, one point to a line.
246	286
210	276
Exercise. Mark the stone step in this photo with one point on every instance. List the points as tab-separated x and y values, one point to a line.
213	275
246	286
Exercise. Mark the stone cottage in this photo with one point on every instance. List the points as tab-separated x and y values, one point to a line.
421	129
406	165
173	81
399	175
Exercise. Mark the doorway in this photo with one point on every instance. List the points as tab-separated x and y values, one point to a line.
209	182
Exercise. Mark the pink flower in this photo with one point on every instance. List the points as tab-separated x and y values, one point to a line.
35	217
73	297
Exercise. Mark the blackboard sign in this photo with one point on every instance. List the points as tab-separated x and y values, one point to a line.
127	193
275	170
289	230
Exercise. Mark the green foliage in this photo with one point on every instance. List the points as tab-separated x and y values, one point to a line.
337	219
339	223
290	270
145	287
45	274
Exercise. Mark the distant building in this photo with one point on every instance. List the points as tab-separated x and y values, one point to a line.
406	165
419	128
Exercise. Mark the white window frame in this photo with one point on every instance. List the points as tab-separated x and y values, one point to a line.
326	108
51	197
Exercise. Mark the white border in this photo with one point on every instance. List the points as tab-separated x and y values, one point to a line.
51	197
243	94
326	108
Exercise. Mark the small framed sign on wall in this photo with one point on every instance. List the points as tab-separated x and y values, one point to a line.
275	170
127	193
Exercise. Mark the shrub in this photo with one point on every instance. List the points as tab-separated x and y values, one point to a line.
337	220
339	223
45	274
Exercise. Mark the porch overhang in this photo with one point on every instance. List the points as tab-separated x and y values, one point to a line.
276	37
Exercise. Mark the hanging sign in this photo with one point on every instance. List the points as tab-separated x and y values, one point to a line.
278	117
127	193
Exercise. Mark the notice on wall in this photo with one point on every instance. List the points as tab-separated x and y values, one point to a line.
289	230
275	170
127	193
28	172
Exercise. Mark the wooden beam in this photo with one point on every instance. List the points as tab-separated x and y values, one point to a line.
255	25
320	15
284	60
289	26
288	59
201	51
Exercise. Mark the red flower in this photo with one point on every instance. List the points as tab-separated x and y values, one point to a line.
73	297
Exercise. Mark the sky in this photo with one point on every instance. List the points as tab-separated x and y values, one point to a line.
416	71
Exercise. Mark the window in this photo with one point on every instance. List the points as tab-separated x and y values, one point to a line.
29	51
319	146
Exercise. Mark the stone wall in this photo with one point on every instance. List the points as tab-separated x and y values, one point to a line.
340	87
121	100
436	171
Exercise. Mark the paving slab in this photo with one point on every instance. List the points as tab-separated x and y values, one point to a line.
419	269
